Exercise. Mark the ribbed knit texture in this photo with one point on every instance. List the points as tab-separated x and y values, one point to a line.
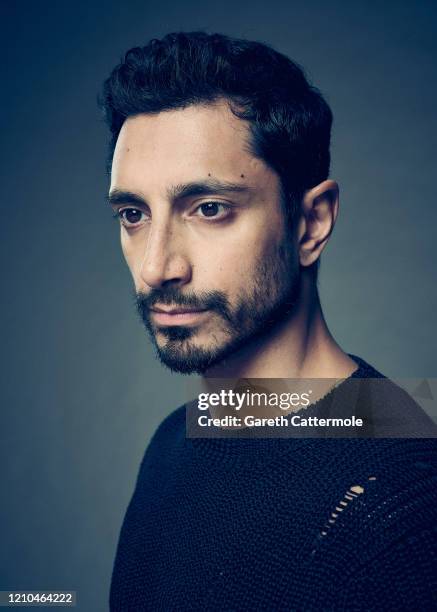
280	524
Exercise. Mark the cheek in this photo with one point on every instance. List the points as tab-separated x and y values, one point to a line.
231	265
133	251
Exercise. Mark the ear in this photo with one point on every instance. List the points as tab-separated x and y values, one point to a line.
317	220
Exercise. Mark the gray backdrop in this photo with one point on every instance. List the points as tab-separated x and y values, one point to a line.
81	391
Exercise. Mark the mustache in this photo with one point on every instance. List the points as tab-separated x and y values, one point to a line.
172	296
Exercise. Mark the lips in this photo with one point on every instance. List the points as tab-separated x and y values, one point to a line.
176	311
181	315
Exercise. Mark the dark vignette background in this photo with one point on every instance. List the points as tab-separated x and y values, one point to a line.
81	390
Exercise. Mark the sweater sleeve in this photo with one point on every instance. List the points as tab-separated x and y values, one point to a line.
403	577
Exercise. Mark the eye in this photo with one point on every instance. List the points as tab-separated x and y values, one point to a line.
216	210
130	217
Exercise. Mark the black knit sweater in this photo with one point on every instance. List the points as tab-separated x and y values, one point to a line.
280	524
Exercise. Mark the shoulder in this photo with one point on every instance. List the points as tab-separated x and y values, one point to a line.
389	528
170	430
383	497
394	492
172	423
388	409
167	441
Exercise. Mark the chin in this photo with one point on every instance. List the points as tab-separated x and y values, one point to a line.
188	358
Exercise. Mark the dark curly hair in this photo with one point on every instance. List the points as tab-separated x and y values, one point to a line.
290	122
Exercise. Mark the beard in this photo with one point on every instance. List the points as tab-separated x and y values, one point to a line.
269	299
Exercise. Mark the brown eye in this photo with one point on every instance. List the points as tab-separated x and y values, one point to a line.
214	209
210	209
131	216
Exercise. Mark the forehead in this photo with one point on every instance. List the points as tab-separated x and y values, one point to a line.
188	144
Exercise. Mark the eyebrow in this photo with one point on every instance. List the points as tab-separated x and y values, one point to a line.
178	192
120	196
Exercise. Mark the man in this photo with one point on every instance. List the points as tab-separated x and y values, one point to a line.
219	177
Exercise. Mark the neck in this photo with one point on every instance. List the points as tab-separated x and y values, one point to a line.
299	346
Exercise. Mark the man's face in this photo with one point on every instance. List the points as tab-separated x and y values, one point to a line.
203	233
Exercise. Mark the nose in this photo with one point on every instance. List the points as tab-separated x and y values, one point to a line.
164	260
